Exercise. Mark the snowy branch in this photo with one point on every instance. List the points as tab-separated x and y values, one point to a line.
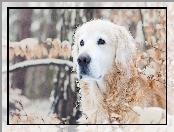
38	62
30	48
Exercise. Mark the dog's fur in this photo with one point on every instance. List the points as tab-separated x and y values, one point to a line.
110	88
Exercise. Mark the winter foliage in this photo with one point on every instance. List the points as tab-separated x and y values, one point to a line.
30	48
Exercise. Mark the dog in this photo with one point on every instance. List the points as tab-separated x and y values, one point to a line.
102	54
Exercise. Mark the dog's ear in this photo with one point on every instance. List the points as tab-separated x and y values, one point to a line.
75	49
125	49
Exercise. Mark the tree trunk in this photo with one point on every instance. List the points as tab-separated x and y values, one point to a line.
24	23
39	81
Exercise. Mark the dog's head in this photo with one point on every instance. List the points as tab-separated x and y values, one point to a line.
98	46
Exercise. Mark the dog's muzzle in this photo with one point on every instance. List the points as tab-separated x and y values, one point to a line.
83	62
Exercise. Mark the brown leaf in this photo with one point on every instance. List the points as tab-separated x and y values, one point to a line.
153	39
32	54
27	54
17	50
149	40
15	119
57	46
44	51
29	120
137	45
158	54
68	53
17	111
148	30
22	53
66	49
151	52
162	46
37	51
52	53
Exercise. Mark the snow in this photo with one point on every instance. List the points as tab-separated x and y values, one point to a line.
58	27
30	111
65	95
37	62
62	74
74	111
15	95
151	115
51	99
66	43
30	43
65	88
35	26
158	26
55	80
39	107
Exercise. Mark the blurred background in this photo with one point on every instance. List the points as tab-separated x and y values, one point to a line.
51	89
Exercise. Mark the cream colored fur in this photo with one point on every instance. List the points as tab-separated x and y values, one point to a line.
111	98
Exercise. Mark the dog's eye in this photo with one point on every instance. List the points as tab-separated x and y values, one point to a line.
82	42
101	41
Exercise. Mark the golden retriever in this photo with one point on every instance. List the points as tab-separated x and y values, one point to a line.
102	56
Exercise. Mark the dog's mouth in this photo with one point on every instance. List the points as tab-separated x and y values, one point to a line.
85	73
89	77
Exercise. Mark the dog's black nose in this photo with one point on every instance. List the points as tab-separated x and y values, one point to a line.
83	59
